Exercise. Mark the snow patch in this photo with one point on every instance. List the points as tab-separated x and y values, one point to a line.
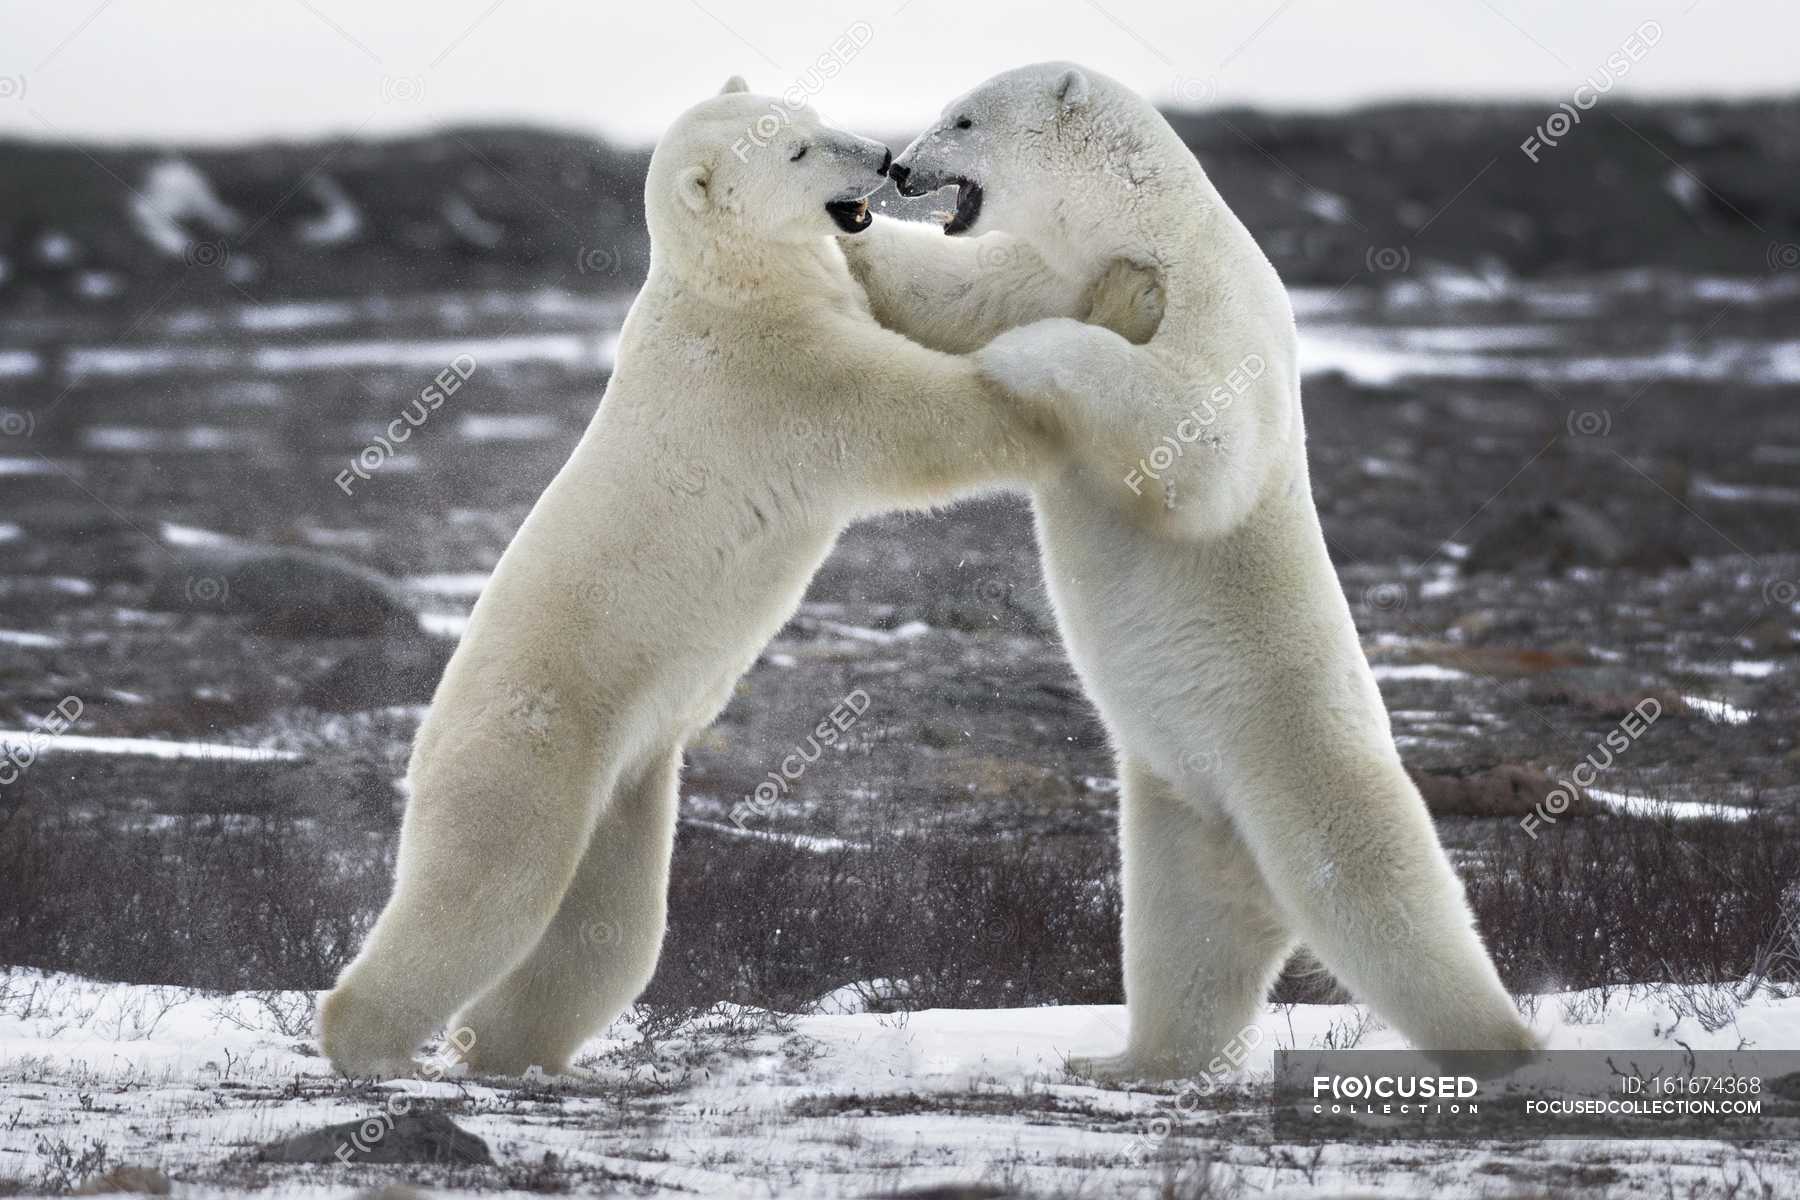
16	364
1685	810
507	427
140	1067
75	743
264	318
338	220
188	535
462	583
174	191
879	637
1718	710
1746	493
470	225
1431	671
799	841
138	438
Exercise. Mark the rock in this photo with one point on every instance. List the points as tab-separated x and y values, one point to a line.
1613	704
337	788
401	671
81	542
287	592
1506	790
1559	534
1774	635
1472	626
137	1181
938	735
428	1137
1503	662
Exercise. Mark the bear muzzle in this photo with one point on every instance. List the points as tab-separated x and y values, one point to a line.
851	216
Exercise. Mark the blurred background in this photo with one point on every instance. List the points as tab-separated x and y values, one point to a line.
1546	262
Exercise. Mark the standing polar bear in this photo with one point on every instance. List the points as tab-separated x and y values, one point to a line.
1184	556
757	408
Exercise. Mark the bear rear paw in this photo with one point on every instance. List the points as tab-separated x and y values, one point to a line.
1125	1068
361	1041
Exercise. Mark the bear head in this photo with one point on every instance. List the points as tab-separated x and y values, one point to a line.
1016	147
741	167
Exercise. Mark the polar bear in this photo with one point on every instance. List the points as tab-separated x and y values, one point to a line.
755	410
1263	800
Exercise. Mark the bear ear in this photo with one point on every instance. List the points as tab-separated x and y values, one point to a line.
1072	88
691	187
734	84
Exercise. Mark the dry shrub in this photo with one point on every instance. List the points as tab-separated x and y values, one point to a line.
952	919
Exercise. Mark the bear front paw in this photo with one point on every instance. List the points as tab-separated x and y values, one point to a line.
1129	300
1034	359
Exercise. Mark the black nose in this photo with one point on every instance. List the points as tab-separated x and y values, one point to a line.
887	160
898	173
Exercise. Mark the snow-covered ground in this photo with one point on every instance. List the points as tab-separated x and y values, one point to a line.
745	1103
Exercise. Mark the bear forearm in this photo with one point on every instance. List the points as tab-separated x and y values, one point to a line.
954	294
1191	469
953	433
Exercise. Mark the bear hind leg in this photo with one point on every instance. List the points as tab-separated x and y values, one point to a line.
481	871
1353	858
602	946
1203	937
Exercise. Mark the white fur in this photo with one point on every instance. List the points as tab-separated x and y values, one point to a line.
756	409
1264	801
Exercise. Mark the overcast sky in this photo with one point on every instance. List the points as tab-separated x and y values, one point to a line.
235	69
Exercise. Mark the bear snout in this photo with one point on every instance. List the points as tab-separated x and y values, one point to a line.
900	173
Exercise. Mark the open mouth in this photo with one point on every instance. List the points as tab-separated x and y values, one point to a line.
968	207
852	216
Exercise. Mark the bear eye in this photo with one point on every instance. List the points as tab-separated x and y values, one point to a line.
798	154
964	123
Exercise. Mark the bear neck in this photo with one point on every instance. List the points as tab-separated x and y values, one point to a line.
1088	227
745	271
1083	241
1172	217
1162	207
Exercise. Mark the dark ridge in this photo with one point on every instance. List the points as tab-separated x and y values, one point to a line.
1692	186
